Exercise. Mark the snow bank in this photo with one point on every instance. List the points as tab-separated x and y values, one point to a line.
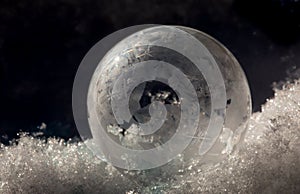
268	162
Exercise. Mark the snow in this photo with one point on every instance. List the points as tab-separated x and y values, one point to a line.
268	161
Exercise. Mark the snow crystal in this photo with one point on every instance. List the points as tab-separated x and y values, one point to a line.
268	161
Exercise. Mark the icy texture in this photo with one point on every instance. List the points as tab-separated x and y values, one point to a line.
174	86
269	161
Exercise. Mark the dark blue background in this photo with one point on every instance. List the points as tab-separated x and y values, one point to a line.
42	43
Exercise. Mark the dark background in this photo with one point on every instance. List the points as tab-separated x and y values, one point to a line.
42	43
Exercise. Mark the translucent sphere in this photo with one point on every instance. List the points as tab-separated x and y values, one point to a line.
166	98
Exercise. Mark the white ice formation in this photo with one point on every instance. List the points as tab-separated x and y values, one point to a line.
268	162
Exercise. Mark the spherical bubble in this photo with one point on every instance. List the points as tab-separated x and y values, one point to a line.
166	98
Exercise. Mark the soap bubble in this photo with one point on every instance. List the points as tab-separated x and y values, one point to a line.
160	97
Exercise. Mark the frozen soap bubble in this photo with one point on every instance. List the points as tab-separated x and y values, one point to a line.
155	100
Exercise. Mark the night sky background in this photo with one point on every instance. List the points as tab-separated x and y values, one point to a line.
42	43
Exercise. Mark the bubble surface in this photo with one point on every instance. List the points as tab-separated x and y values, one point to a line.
164	94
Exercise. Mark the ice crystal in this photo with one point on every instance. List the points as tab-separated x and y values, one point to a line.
268	161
